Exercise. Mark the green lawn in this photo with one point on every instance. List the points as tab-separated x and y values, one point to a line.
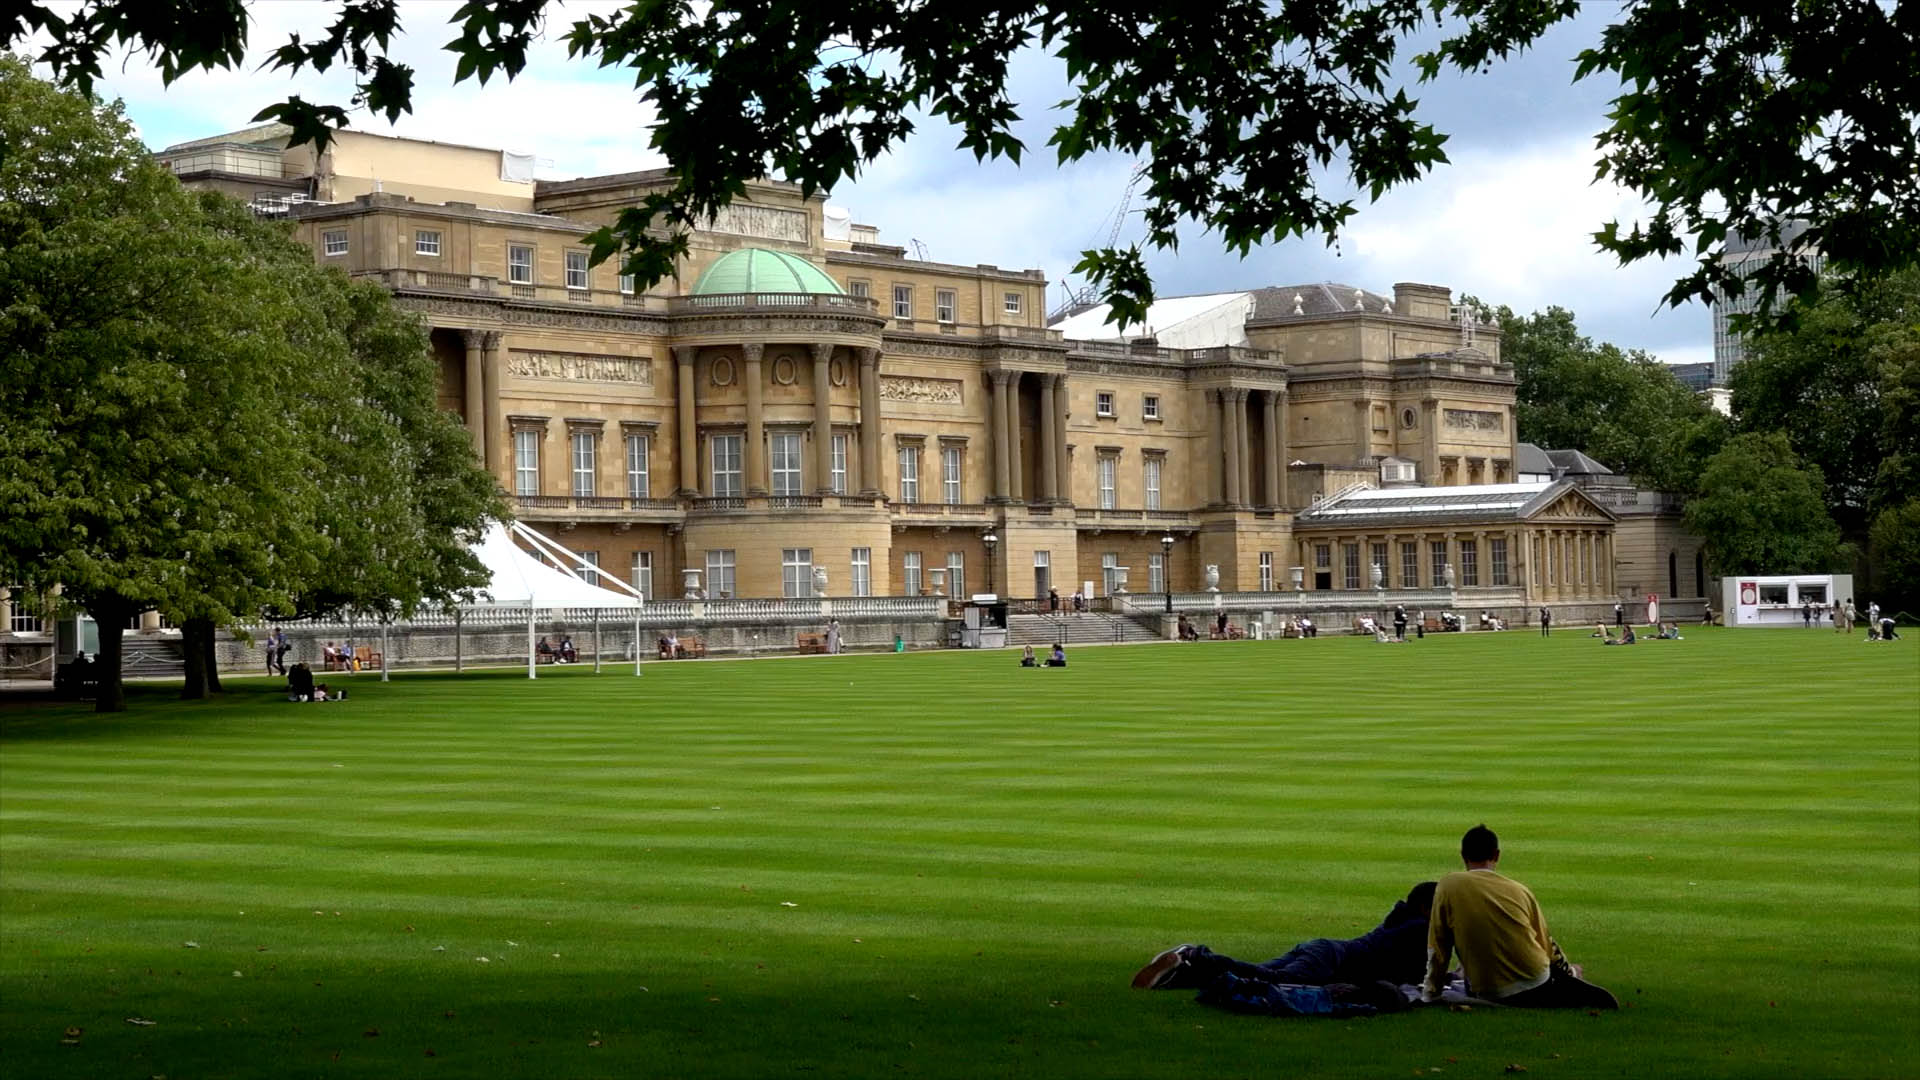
943	865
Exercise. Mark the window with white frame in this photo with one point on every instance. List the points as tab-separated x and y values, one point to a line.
1151	480
910	573
796	572
1497	559
1350	555
1103	403
860	580
943	305
1266	571
857	287
957	574
910	476
786	462
1010	303
26	614
643	574
839	479
583	462
725	451
903	303
720	573
1156	573
1469	562
950	475
591	572
334	241
626	284
1150	406
576	269
519	264
1438	549
426	242
1109	475
1042	572
1409	564
639	455
1109	572
526	462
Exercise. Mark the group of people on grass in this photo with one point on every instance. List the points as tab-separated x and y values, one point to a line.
1490	923
1056	658
302	688
563	653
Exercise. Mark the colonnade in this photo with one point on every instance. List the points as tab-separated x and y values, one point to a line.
752	356
1009	469
1233	432
486	363
1571	564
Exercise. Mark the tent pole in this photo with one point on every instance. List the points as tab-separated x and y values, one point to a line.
457	667
636	641
383	651
596	641
530	673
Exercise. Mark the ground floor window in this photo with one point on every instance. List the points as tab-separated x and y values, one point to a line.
957	574
1409	565
1156	573
1469	562
643	574
1042	573
796	572
910	572
1438	548
1350	557
1109	572
1497	559
861	582
1266	570
591	574
720	573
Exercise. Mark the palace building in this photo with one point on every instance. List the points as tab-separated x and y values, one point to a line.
802	395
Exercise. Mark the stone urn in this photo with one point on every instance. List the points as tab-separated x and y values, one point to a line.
1120	580
1213	577
1299	576
819	581
1379	576
1446	576
690	584
938	576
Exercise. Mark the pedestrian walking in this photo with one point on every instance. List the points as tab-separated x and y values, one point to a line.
1546	621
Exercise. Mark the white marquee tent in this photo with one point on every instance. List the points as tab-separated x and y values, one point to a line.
548	581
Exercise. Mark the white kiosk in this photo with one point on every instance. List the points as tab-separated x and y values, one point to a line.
1780	599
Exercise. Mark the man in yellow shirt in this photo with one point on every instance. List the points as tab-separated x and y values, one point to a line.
1496	927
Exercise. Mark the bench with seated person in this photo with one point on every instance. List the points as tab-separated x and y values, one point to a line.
811	643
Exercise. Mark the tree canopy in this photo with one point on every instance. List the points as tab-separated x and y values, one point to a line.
193	417
1733	117
1761	511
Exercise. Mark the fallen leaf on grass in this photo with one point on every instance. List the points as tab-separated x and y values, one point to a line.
140	1021
788	903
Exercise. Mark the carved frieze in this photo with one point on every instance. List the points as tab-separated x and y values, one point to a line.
1475	420
765	222
920	391
580	367
645	325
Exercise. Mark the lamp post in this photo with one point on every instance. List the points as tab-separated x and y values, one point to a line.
991	542
1166	568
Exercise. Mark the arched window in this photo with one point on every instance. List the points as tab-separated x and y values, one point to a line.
1700	573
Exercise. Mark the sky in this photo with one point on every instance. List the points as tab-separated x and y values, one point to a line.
1509	220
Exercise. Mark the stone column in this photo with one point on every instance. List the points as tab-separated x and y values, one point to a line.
687	420
1063	462
6	610
1276	460
1482	559
497	451
756	455
476	396
823	418
150	622
1049	436
1363	430
997	383
869	421
1430	441
1016	464
1230	412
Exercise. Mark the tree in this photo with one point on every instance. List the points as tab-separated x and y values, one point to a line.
1624	409
192	414
1760	511
1735	117
1895	553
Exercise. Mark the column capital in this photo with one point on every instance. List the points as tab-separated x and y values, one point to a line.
869	356
1000	376
822	351
684	355
751	351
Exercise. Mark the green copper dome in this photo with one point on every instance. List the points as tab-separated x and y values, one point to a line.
757	270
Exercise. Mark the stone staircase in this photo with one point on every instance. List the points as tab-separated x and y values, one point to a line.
152	657
1087	628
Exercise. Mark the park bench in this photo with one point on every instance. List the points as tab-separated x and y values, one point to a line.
691	647
811	643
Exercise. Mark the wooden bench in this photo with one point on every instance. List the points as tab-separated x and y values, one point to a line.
811	643
368	659
691	648
1430	624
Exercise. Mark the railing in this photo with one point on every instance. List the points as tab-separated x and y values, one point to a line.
599	504
1314	601
719	502
794	502
1098	516
803	610
942	509
862	305
483	285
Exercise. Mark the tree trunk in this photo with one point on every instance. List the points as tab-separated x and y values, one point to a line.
111	615
207	641
195	688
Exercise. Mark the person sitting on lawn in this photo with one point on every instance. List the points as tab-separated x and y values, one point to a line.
1669	631
1058	657
1027	658
1602	631
321	693
1626	636
300	683
1393	952
1495	925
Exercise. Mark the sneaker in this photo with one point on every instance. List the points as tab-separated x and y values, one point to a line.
1161	968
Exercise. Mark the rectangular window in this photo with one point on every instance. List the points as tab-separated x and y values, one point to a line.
839	484
1497	556
643	574
1409	565
1154	462
943	305
1469	562
26	614
910	478
583	463
1103	403
1266	571
859	288
591	575
426	242
903	309
1109	572
638	460
1350	556
796	572
334	241
1323	556
526	463
1042	573
519	264
1109	473
626	284
1010	303
576	269
786	463
726	466
1156	573
1378	558
861	579
950	475
957	574
1438	549
1150	407
910	579
720	573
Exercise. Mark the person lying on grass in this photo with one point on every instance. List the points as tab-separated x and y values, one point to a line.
1496	926
1394	952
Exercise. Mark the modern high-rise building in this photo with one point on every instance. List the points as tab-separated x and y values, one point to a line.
1742	251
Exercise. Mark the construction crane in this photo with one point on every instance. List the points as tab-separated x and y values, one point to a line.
919	250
